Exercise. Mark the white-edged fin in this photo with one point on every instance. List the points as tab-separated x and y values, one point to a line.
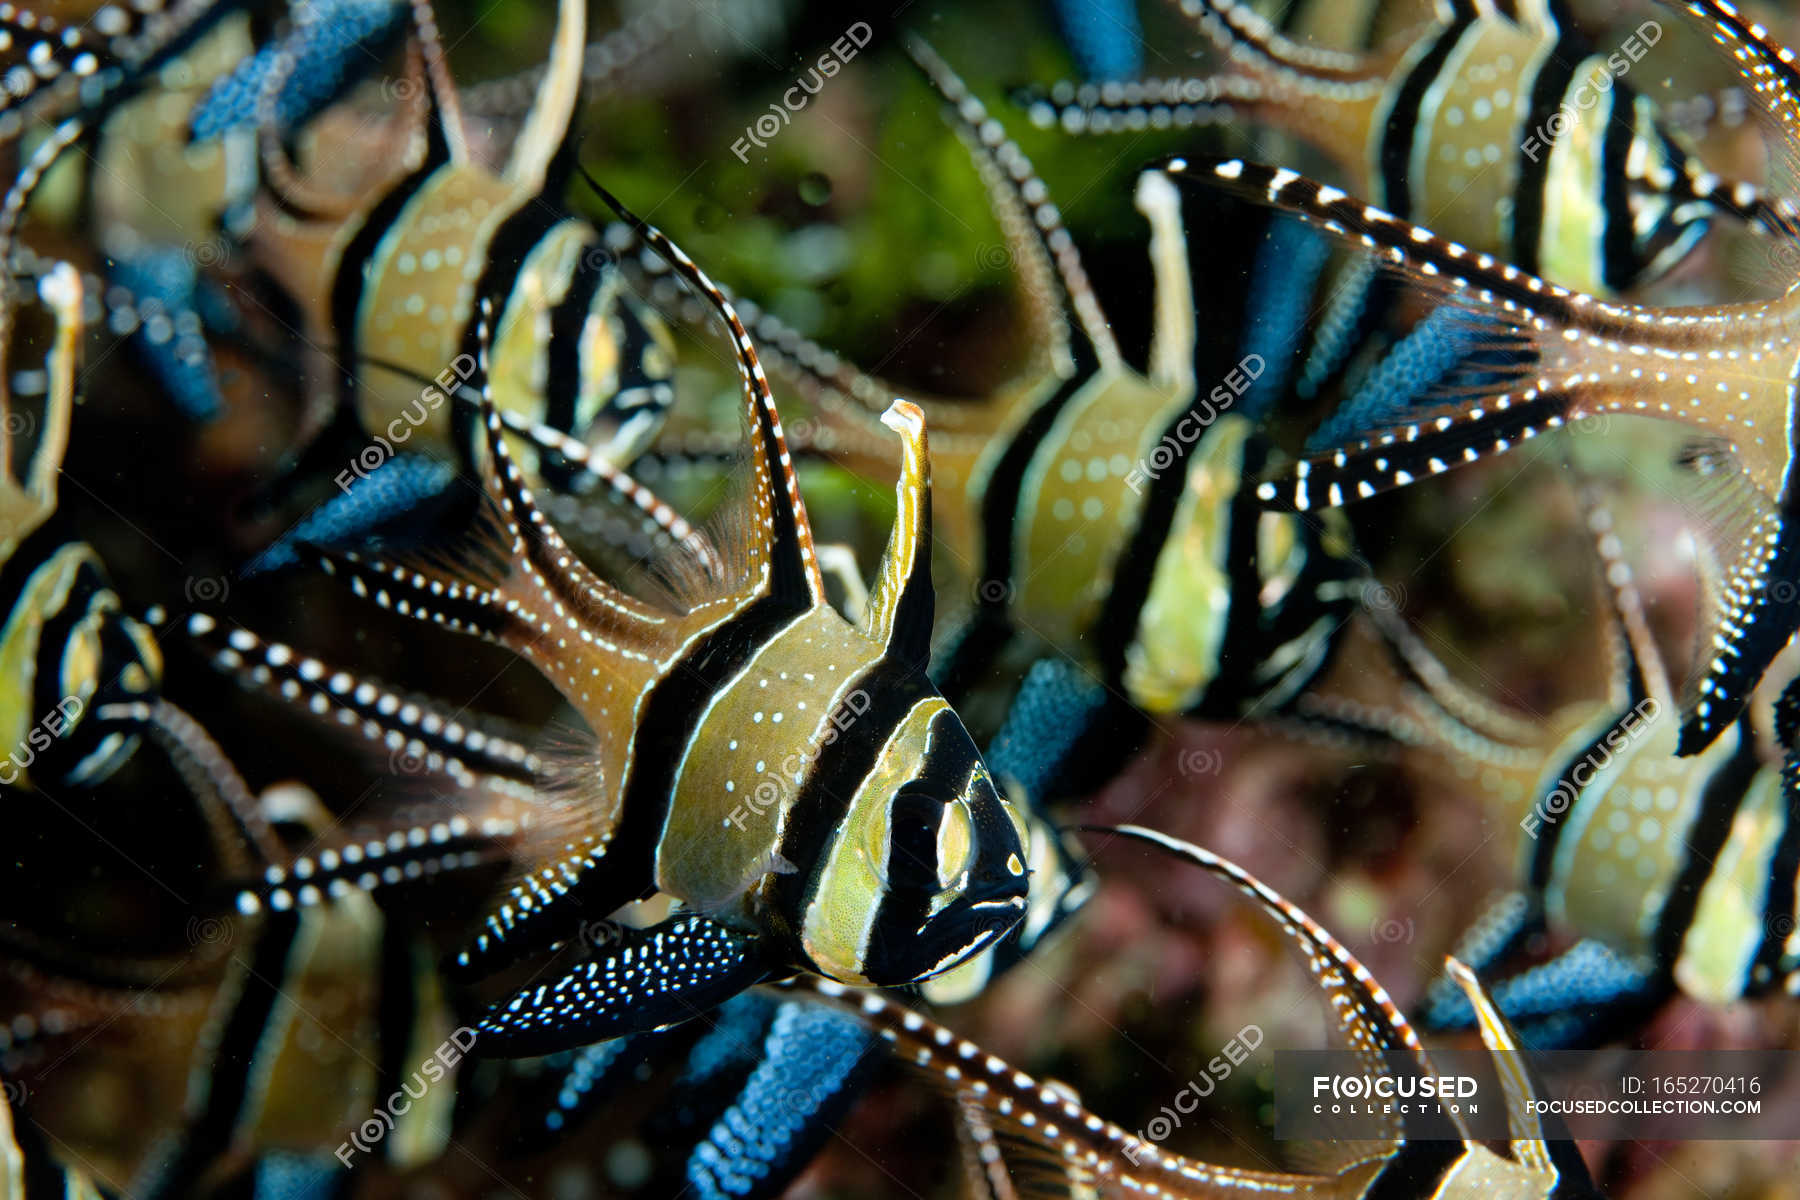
902	603
1373	1026
1641	671
1539	1144
445	132
550	125
1174	329
1054	280
1046	1142
780	538
1249	38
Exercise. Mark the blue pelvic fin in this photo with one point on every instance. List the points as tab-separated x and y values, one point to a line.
284	1175
812	1061
1283	282
169	336
1350	310
1587	993
392	505
331	45
1104	37
694	962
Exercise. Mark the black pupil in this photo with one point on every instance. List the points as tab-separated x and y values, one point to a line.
917	815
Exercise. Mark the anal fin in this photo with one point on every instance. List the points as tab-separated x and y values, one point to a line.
643	980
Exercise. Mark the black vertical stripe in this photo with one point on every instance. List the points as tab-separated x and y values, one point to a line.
350	280
1401	131
513	240
1003	496
1549	91
1781	906
1620	262
833	778
396	1009
206	1135
567	321
1543	854
1720	799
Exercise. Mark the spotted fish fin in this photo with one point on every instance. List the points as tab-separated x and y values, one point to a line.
779	541
330	45
1252	41
419	735
1386	689
45	60
550	132
446	139
1588	993
233	817
902	602
512	578
1172	103
1540	1143
1639	672
1050	269
1561	356
1048	1144
641	980
608	63
809	1067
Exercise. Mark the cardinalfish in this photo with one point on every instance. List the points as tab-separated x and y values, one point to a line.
391	282
794	780
68	646
765	1079
1099	506
1542	355
298	990
1499	125
1024	1136
1675	874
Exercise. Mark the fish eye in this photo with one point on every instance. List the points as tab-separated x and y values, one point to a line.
931	840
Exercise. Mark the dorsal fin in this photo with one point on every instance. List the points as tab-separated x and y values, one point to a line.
445	136
1537	1144
902	603
1246	35
1769	68
780	534
62	293
1641	667
549	131
1173	329
513	580
1041	247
